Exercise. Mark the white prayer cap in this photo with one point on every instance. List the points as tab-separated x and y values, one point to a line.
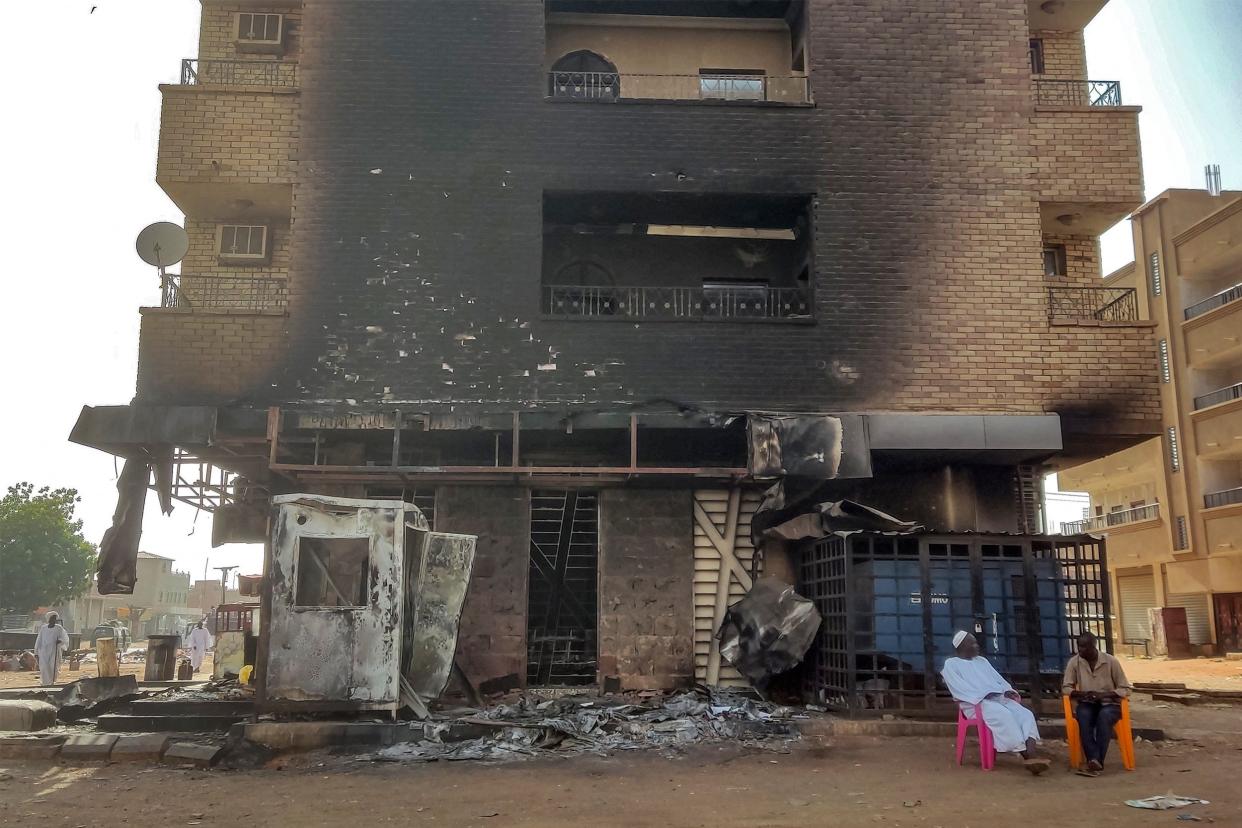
959	637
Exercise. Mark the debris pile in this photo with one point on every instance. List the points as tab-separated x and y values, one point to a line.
601	725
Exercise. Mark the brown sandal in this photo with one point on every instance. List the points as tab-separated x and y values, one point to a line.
1037	765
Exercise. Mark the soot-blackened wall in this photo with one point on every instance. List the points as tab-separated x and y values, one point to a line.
428	144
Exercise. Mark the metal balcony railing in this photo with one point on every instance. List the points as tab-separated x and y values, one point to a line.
279	73
1088	93
676	303
1101	522
1226	296
607	87
1223	498
1223	395
1096	304
223	292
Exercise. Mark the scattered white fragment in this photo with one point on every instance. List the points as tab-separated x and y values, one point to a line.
376	171
547	366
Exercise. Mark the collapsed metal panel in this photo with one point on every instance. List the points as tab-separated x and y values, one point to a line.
562	598
334	603
891	604
437	576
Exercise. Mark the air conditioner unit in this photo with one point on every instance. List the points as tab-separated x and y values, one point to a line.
260	33
242	244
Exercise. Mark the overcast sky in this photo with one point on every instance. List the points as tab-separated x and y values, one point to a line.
80	137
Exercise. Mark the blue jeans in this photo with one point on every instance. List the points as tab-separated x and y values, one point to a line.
1095	725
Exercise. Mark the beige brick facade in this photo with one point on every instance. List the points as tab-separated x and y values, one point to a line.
1087	155
184	355
1082	260
202	258
213	135
216	34
1065	54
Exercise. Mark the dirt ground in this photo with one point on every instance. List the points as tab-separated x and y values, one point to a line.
24	679
855	781
1199	673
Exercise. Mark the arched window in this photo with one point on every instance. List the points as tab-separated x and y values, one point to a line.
586	76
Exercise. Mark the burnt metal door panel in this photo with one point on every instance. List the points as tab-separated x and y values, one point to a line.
334	626
438	567
562	625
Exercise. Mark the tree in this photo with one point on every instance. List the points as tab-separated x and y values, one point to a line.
44	559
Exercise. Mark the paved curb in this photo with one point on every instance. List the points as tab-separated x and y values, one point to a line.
45	748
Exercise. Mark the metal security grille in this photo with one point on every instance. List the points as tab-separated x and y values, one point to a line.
1029	500
1136	594
562	596
890	606
1196	606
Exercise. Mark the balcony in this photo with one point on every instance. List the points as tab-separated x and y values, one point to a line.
1218	424
1228	497
223	293
1069	305
712	88
281	74
1212	247
226	146
1086	143
709	303
1213	331
1102	523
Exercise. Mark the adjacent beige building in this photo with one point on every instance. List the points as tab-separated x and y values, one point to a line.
1172	506
161	598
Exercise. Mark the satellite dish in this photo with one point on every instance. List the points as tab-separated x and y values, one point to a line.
163	244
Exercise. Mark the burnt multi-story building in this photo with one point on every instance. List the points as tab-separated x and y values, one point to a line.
583	277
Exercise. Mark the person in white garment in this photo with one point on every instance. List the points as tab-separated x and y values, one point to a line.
973	681
50	645
197	643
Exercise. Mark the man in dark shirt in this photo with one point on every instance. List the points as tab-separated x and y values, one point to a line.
1097	684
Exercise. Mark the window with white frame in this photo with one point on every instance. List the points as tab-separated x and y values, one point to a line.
732	84
242	243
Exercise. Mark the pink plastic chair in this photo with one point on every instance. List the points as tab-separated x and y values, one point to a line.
987	752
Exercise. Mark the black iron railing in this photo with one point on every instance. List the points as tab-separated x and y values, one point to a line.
1094	524
613	86
1057	92
1226	296
1224	498
706	303
1096	304
224	292
1232	392
281	73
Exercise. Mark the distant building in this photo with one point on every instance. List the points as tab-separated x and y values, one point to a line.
161	594
205	596
1172	506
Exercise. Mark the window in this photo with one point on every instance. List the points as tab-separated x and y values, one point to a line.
1037	56
258	32
1153	270
1164	360
1175	457
1182	539
1054	260
332	572
732	84
242	243
584	75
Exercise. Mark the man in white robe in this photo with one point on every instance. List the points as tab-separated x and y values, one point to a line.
197	643
973	681
50	645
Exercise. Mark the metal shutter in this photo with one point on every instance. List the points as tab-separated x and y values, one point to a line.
713	510
1138	594
1196	606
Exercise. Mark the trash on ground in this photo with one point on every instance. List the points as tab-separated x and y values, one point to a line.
1165	803
589	724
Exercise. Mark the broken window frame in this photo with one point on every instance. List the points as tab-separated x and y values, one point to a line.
364	586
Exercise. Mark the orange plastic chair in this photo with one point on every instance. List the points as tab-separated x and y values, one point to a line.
1125	736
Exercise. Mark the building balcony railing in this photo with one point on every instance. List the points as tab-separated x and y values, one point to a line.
609	87
1227	394
750	303
279	73
1057	92
1223	498
1226	296
1093	304
1102	522
223	293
